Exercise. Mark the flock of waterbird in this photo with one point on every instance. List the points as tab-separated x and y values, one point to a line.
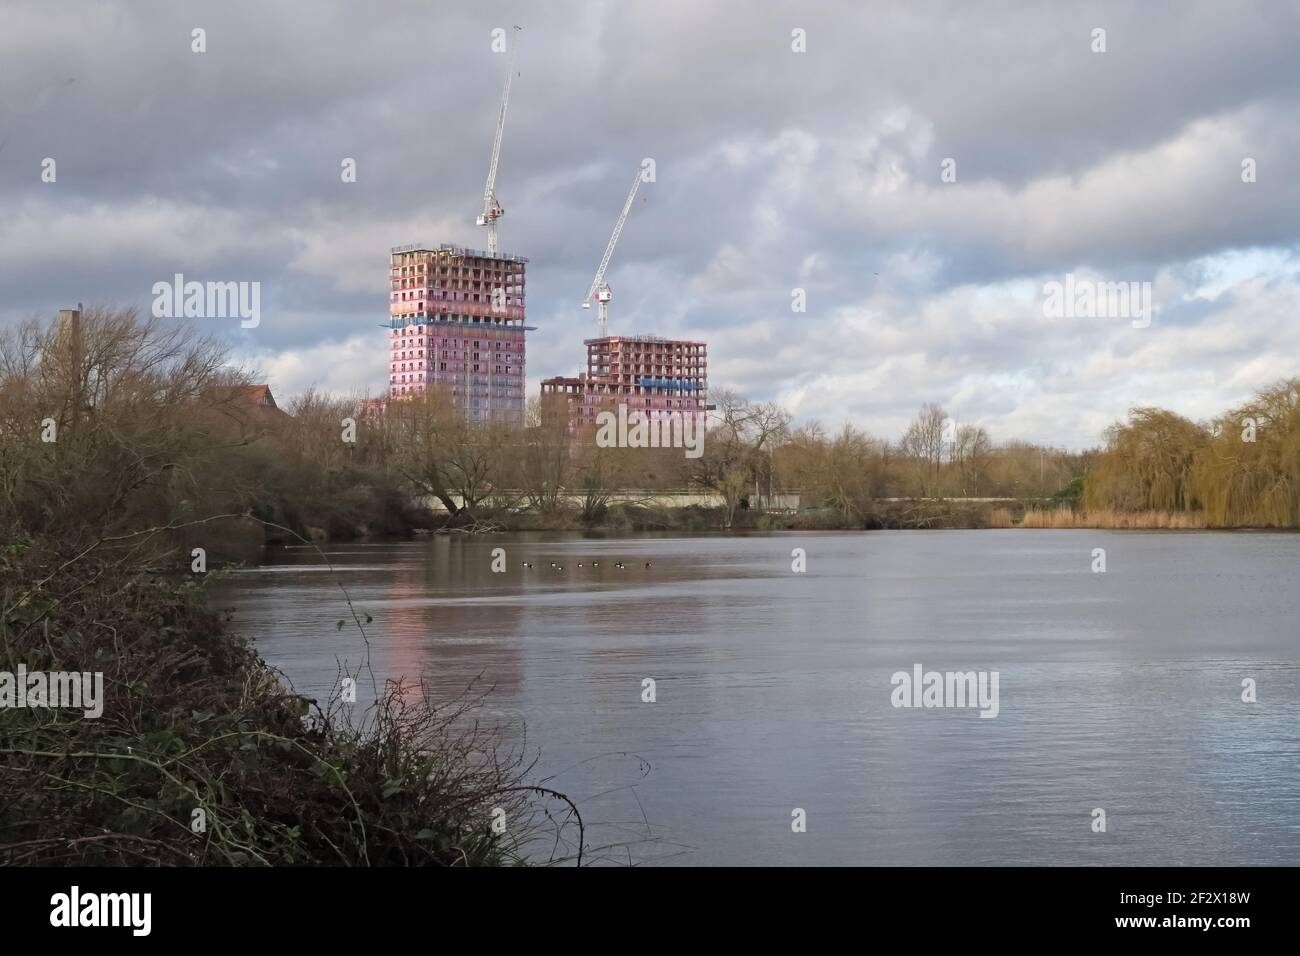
595	564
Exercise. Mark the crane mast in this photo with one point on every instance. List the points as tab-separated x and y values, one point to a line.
599	288
492	209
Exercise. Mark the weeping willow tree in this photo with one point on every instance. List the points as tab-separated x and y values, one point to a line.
1249	473
1147	464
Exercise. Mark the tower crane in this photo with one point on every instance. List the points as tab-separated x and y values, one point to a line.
492	210
599	287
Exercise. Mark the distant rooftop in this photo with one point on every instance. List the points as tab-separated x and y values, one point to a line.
454	250
644	338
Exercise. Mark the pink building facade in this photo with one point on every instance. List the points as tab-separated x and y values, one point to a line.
456	320
644	372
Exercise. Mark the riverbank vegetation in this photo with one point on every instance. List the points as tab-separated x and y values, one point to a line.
1240	470
1109	518
128	452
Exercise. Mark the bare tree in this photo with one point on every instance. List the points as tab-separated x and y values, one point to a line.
922	443
544	465
739	447
141	411
970	451
441	453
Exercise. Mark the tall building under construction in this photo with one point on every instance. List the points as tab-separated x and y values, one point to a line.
646	373
456	321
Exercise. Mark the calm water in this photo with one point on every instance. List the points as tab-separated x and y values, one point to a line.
1119	690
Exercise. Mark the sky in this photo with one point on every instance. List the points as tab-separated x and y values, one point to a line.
796	146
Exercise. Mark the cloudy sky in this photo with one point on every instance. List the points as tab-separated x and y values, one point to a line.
776	170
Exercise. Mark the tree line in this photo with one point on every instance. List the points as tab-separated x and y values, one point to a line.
1240	469
122	420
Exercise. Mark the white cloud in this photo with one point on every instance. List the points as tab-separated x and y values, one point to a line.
353	365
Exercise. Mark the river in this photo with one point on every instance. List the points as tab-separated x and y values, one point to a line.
1118	691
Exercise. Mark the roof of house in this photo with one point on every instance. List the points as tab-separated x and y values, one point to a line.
261	394
261	402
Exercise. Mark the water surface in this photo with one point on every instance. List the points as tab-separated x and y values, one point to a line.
1118	690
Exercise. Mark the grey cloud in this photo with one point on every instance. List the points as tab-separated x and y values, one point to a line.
775	170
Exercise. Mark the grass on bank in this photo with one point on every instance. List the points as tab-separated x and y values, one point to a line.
1108	518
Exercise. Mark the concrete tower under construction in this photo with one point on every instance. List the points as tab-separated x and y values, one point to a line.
456	321
647	373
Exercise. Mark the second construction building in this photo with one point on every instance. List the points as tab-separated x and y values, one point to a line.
653	375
